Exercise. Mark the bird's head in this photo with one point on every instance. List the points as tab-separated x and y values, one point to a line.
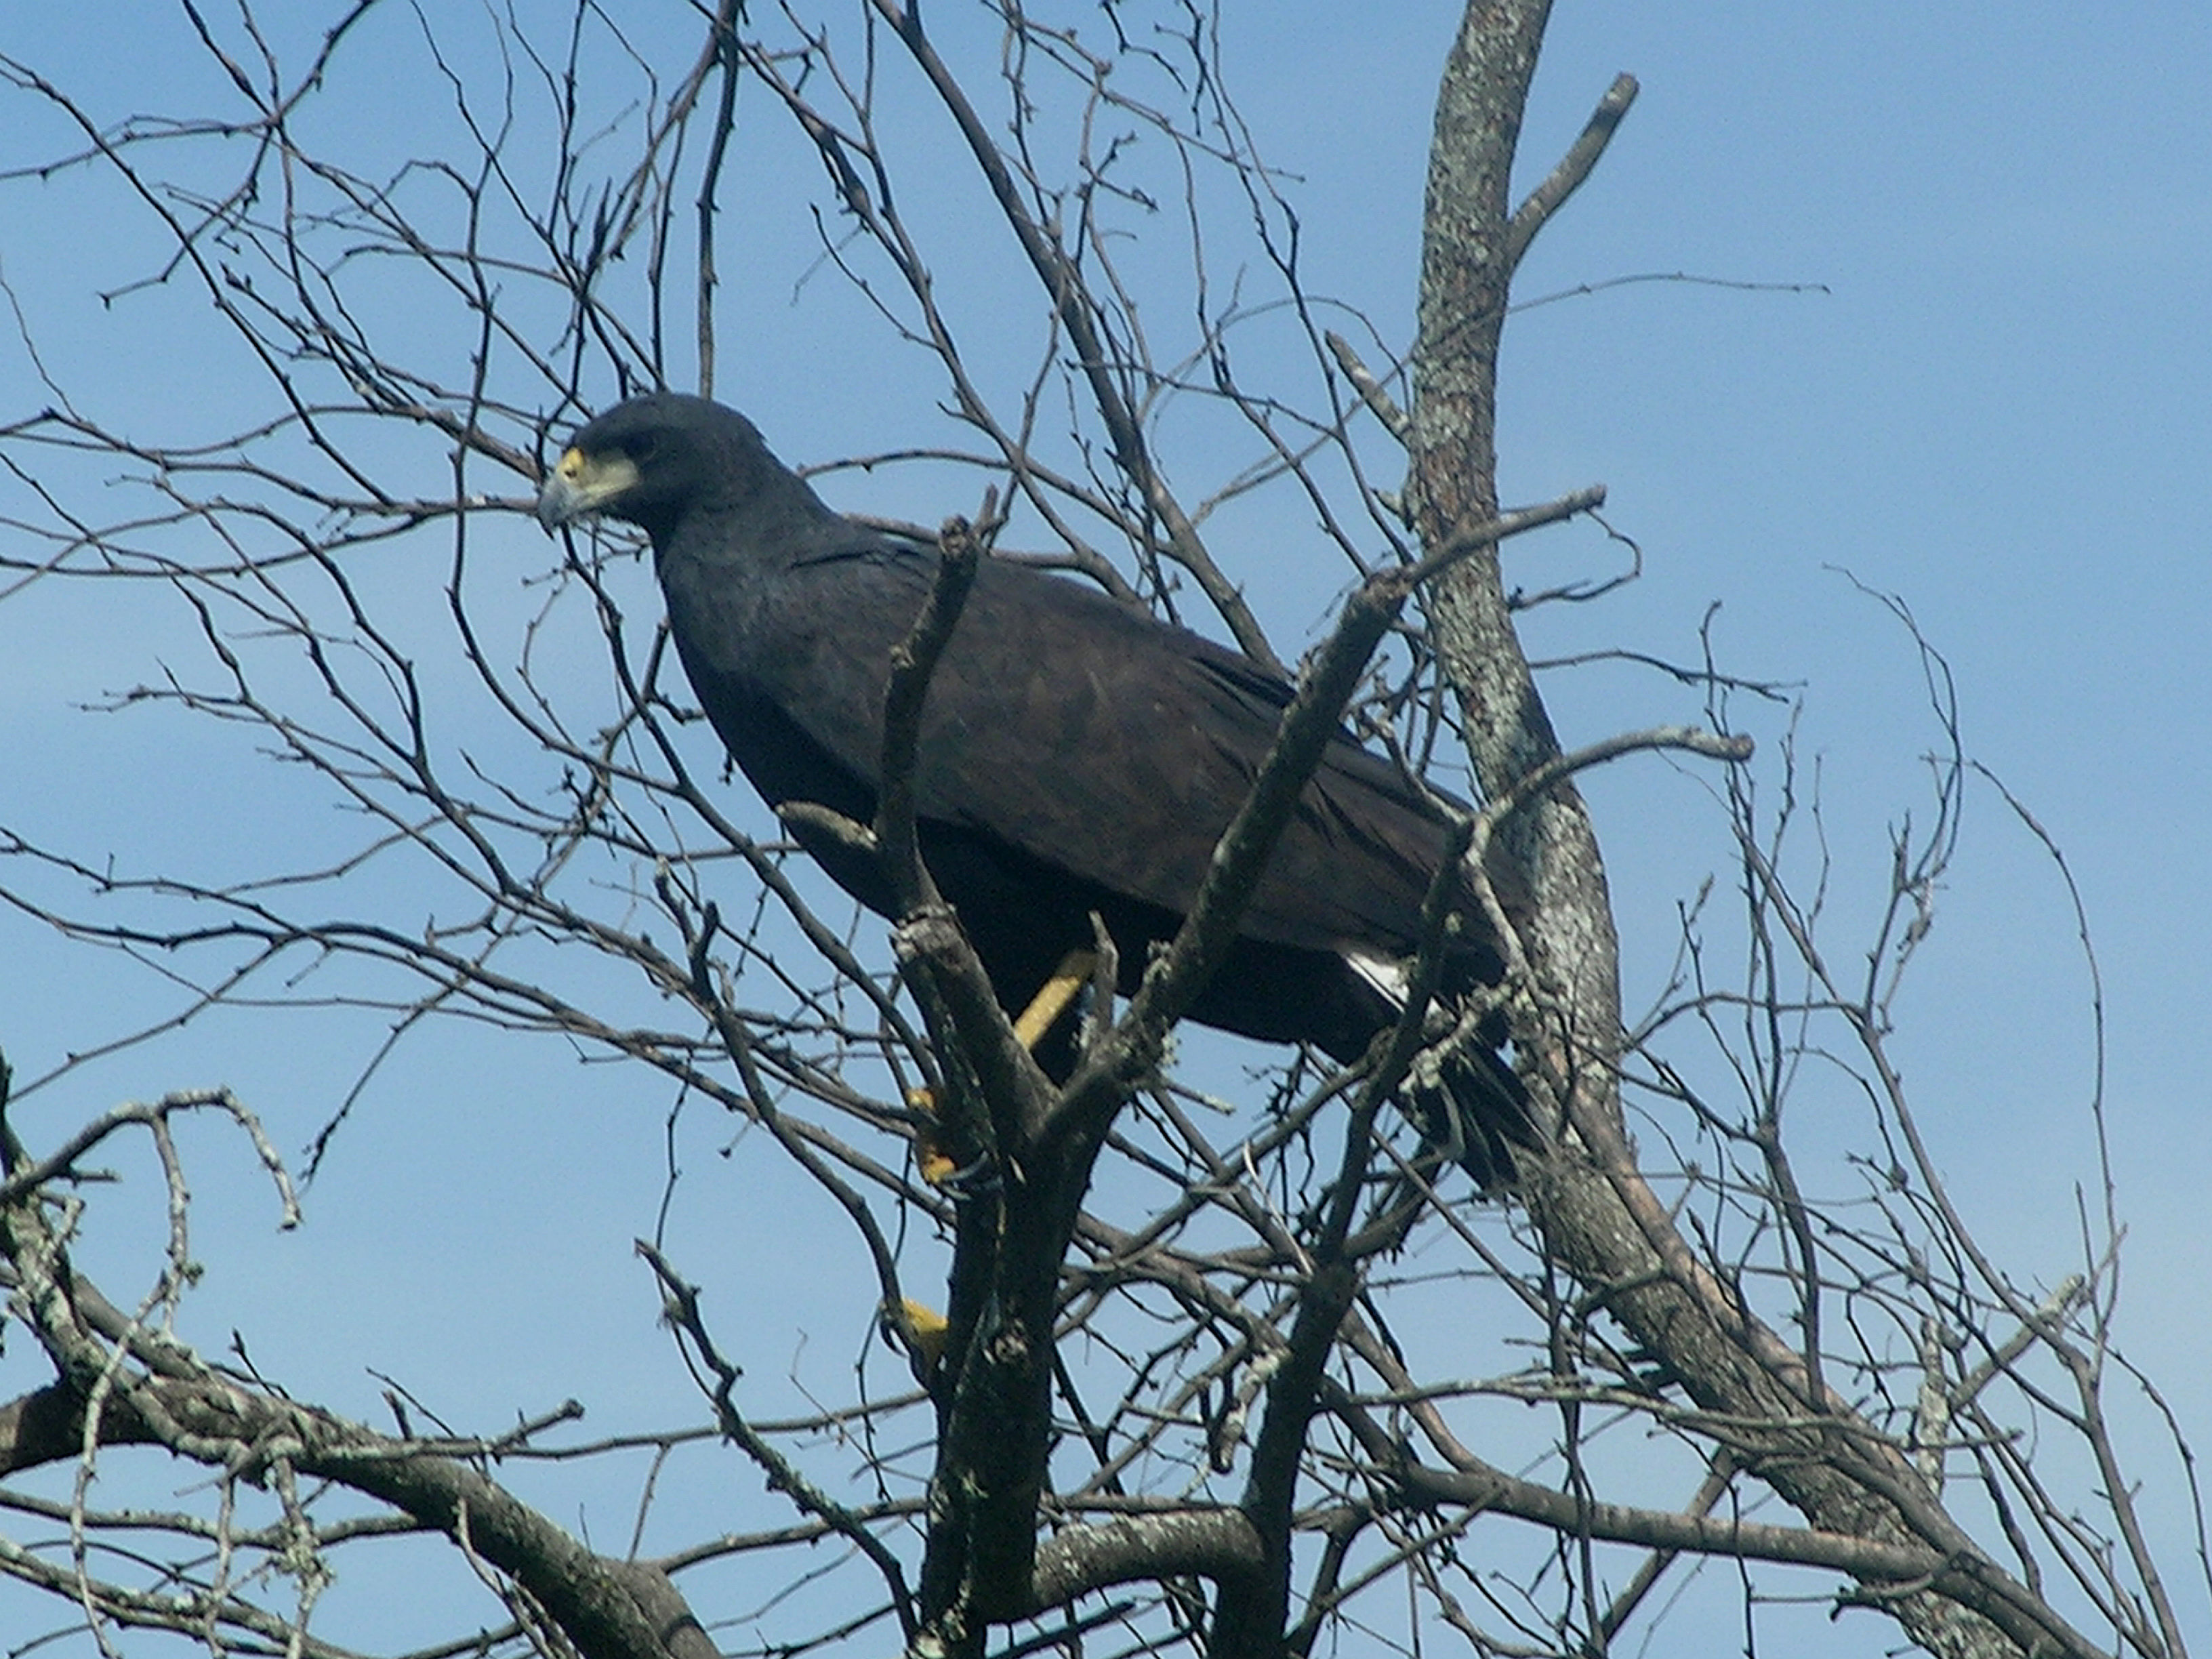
655	460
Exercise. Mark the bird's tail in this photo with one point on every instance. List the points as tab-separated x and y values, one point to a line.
1474	1110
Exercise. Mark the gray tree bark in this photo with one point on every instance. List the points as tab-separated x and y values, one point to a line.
1600	1221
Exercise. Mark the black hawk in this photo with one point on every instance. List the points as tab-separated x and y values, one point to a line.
1077	756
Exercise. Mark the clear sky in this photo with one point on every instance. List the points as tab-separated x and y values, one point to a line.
1977	375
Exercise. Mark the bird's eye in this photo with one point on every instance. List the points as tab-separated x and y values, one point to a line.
640	447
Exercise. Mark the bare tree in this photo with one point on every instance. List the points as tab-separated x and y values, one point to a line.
1176	1395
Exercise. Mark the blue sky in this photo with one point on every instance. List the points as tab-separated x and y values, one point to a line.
1979	381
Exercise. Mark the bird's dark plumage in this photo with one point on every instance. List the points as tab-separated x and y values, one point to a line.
1076	755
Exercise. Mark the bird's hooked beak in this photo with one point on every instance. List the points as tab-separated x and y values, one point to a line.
582	483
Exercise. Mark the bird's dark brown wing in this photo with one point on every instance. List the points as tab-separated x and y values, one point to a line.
1092	739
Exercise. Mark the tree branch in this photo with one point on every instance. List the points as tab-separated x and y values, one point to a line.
1576	165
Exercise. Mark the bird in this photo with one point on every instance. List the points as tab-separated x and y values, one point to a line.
1078	757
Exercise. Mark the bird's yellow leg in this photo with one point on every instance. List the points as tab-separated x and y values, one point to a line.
938	1165
1052	1000
920	1330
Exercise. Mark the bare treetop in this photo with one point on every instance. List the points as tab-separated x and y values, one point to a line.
1145	1368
